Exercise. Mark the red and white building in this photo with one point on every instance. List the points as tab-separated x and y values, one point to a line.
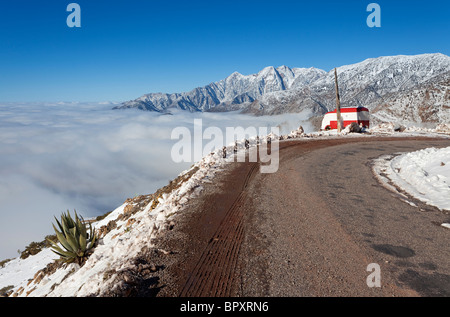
360	115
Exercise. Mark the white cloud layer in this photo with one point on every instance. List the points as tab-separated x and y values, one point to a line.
87	157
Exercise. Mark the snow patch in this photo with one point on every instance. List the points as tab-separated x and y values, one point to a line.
425	175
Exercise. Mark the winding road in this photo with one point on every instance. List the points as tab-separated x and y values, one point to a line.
311	229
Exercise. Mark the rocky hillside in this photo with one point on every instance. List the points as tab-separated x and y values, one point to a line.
428	103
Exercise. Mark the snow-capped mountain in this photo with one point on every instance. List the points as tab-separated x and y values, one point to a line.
370	83
384	83
231	93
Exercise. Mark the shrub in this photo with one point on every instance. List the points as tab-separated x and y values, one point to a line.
73	236
35	247
5	291
2	263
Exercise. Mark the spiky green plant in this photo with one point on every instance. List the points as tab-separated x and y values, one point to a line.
73	236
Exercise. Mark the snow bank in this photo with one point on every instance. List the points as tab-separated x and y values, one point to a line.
424	175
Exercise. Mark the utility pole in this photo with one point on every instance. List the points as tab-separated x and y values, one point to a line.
338	103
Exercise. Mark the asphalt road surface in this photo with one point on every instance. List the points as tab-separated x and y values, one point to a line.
310	230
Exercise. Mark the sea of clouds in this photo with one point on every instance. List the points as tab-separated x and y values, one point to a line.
87	157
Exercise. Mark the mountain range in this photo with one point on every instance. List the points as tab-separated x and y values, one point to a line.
407	89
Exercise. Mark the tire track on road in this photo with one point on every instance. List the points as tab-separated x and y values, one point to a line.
213	273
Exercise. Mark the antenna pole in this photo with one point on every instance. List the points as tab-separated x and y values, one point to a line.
338	103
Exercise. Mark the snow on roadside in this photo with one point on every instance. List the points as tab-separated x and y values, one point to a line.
423	174
390	127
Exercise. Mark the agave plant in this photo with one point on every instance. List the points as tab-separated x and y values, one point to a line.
73	236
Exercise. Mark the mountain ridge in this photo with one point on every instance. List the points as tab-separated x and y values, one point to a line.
276	90
234	89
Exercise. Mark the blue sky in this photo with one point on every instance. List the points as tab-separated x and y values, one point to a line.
127	48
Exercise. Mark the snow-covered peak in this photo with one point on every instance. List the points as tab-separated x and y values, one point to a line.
266	70
234	76
306	76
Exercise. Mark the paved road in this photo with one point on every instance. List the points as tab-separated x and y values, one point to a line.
311	229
